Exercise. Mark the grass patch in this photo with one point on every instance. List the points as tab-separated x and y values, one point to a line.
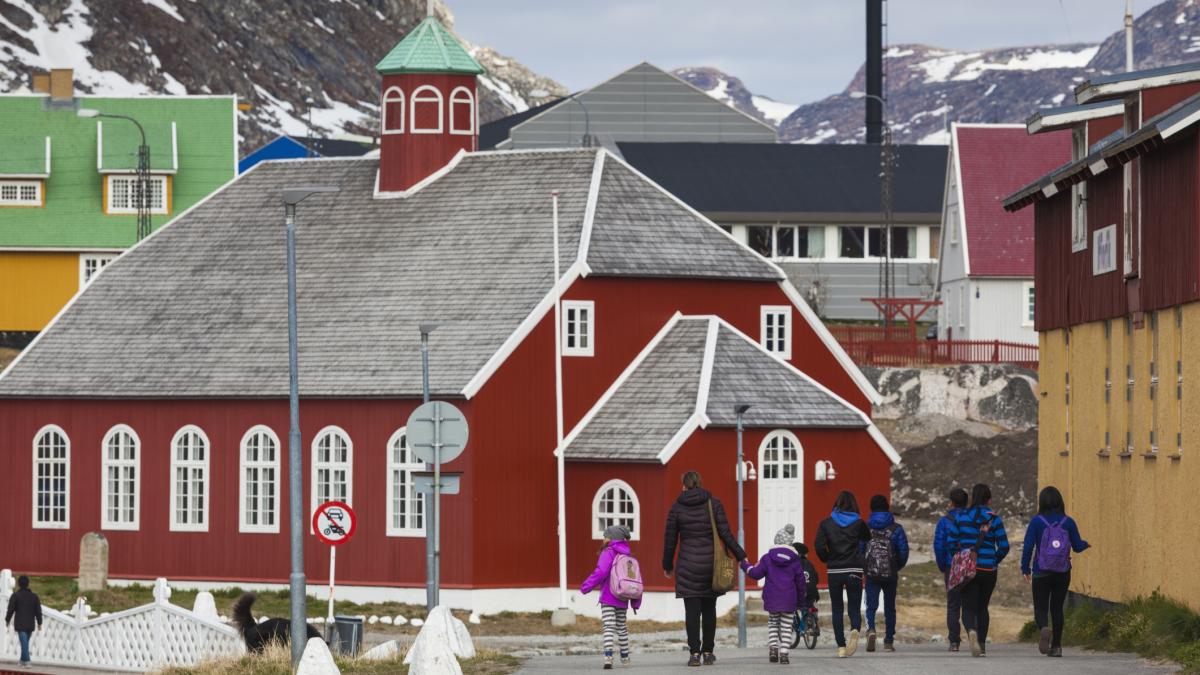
7	355
276	660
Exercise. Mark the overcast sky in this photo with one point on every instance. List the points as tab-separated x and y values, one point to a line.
791	50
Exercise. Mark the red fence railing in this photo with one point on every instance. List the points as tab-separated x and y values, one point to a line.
910	353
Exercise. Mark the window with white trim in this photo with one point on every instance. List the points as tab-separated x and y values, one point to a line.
962	305
775	331
857	241
406	506
780	456
426	117
332	467
578	327
189	480
123	192
51	478
20	193
92	263
1079	233
1028	296
259	498
462	111
615	503
119	500
787	242
393	111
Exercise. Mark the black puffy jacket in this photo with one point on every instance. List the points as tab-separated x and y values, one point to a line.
689	529
837	545
25	606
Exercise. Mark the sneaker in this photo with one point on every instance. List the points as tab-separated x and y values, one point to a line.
852	643
783	659
841	652
1044	641
608	663
1055	651
626	661
710	659
973	640
870	640
953	646
694	661
889	647
773	654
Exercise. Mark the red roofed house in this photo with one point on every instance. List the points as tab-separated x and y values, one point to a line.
985	274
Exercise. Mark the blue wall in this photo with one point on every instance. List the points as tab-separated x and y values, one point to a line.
280	148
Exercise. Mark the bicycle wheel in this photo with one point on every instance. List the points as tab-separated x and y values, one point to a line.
797	629
810	631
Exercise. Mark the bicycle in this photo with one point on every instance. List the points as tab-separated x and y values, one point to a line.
806	628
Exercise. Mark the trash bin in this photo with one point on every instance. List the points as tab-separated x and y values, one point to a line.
347	635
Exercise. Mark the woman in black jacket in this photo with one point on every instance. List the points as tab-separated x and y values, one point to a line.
689	529
838	540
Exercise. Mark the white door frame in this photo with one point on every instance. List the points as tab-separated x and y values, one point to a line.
766	537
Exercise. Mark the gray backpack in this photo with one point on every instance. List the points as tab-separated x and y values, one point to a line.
881	562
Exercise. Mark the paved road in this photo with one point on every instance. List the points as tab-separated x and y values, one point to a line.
909	659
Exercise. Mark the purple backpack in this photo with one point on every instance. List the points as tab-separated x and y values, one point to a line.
1054	550
625	578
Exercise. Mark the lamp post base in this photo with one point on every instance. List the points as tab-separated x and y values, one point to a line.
562	617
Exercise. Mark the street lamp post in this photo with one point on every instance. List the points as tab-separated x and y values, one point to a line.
587	119
296	581
142	194
739	410
887	283
432	562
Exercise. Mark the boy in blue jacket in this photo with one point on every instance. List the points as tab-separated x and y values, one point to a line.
886	554
943	555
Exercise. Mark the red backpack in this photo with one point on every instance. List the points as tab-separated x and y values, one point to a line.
962	565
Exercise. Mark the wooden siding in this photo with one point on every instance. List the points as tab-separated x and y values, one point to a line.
1158	99
1170	223
406	158
34	286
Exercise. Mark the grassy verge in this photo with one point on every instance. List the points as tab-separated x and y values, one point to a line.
276	660
1153	627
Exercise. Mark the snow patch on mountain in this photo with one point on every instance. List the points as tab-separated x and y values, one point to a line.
731	91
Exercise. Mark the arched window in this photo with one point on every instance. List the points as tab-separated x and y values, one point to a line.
51	478
615	503
780	456
406	506
189	480
332	467
119	500
393	111
780	486
426	117
258	500
462	112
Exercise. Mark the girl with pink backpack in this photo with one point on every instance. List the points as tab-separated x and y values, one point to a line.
619	578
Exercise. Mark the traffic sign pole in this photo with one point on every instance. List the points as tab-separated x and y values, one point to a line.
332	567
333	523
437	503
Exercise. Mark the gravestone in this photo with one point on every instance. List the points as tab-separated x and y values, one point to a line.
93	562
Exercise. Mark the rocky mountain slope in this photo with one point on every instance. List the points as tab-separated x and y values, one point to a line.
290	60
730	90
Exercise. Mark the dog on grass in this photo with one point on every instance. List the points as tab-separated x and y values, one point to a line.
259	635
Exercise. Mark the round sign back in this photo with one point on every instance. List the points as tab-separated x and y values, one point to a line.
334	522
441	421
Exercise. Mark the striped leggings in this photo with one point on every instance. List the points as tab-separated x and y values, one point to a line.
779	625
615	628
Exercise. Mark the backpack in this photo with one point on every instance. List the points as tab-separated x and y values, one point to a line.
1054	550
881	563
625	578
962	565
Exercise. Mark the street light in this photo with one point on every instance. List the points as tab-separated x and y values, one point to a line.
587	120
739	409
297	582
886	166
143	170
432	573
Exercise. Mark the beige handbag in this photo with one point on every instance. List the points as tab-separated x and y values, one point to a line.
724	564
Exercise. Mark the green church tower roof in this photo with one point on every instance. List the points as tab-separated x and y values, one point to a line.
429	48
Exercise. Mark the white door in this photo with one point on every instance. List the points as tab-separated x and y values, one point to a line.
780	487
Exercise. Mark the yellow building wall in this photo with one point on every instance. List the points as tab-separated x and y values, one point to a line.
1132	502
34	286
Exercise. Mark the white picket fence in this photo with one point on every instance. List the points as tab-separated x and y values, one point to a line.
143	639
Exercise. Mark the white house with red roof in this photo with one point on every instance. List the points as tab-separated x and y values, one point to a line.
985	273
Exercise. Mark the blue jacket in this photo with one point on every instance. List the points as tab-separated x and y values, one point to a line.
1033	538
941	540
964	532
880	520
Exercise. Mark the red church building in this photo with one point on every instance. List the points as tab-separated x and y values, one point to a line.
154	408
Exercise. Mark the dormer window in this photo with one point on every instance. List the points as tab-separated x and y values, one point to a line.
462	112
426	117
21	193
393	111
121	194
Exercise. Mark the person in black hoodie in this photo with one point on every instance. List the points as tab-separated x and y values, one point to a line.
690	530
837	544
27	609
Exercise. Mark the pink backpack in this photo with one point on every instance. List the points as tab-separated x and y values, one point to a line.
625	578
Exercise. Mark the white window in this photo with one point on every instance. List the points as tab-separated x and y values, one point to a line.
119	501
123	192
426	117
90	264
406	506
776	330
189	480
51	478
786	242
962	305
259	498
1079	150
393	111
1027	294
578	327
780	456
1104	250
462	112
332	467
615	503
20	193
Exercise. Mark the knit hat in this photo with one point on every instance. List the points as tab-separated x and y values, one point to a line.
785	536
616	533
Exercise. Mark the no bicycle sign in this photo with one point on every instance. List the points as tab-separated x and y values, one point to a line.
334	522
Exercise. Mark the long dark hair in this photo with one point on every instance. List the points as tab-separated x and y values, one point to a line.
1051	501
845	502
981	494
691	480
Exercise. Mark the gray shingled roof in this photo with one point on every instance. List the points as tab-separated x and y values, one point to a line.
199	309
637	420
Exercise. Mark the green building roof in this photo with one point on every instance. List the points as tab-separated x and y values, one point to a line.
429	48
195	137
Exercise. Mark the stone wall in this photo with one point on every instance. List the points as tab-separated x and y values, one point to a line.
1002	395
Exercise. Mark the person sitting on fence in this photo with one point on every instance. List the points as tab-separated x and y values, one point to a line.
27	609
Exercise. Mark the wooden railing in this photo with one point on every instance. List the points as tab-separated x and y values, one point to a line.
901	347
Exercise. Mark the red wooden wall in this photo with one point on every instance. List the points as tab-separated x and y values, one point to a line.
407	158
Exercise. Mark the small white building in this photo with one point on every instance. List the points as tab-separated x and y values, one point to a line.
985	273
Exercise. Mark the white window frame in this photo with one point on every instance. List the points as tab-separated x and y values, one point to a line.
106	463
418	98
317	466
783	435
1027	303
1104	266
636	516
243	466
588	307
1079	233
399	100
770	344
470	101
111	192
190	465
65	523
963	294
20	184
393	467
99	259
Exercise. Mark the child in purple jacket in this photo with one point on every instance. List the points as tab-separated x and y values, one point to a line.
784	592
612	608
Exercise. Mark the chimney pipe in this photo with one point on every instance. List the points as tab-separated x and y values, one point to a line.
1128	36
874	119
